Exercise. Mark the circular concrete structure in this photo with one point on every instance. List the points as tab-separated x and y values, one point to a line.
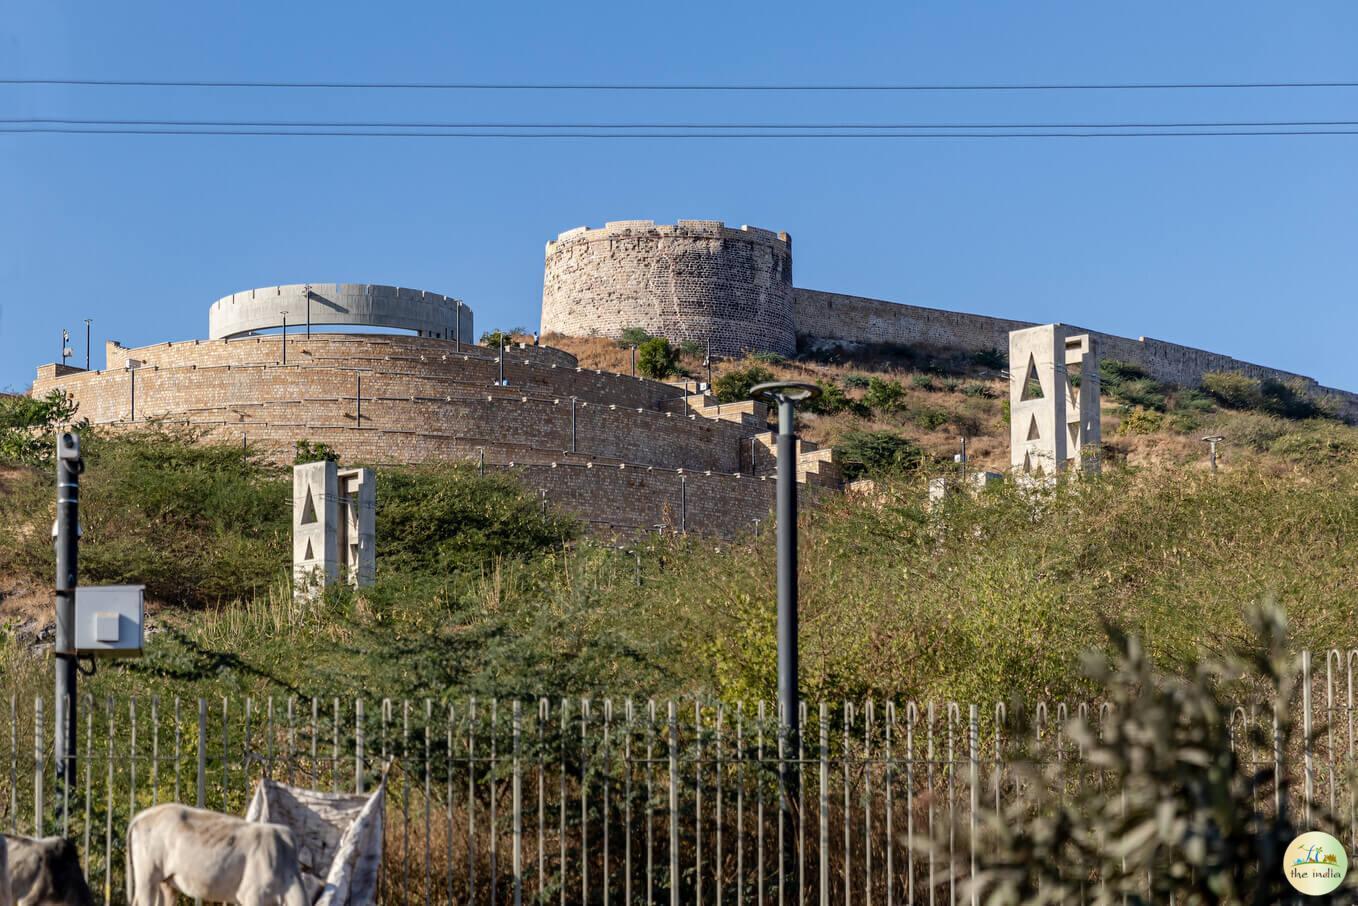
698	281
349	304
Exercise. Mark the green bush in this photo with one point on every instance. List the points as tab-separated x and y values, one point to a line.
1129	383
306	451
1318	444
832	400
990	358
734	385
930	418
1280	398
768	358
878	453
884	396
28	426
493	338
922	381
1162	807
633	336
440	518
1141	421
657	359
978	390
856	381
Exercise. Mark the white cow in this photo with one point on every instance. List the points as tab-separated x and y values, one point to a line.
211	856
6	897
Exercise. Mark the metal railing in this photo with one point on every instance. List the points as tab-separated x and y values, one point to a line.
600	801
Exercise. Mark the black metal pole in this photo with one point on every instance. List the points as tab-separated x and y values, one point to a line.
572	424
457	327
308	311
285	337
502	358
789	713
67	539
87	343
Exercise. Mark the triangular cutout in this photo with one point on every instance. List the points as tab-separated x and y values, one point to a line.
308	555
1033	433
1032	387
1074	434
1027	462
308	510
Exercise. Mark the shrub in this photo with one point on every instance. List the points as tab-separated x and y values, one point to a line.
493	338
734	386
1131	384
1233	390
878	453
1280	398
832	400
28	426
978	390
990	358
768	358
1141	421
309	452
922	381
930	418
1320	444
657	359
1163	807
856	381
950	384
884	396
633	336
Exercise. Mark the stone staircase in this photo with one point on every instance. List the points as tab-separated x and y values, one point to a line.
815	465
758	456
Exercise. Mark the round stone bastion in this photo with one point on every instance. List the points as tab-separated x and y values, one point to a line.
698	281
332	304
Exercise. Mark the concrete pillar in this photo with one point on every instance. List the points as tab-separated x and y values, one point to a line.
334	526
1052	421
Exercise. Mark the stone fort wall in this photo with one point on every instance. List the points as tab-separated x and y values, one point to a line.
698	281
623	454
702	281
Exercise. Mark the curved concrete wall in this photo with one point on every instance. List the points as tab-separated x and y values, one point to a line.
698	281
349	304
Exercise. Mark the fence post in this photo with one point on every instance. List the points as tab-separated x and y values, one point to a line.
824	806
37	767
973	730
1306	732
674	805
518	808
358	746
202	753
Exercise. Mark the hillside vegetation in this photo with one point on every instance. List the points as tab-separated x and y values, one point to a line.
479	592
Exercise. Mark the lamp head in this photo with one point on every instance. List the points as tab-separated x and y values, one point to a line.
777	391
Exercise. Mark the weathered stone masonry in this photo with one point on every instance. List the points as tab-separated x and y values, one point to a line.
702	280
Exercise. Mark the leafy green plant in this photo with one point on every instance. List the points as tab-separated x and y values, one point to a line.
633	336
768	358
1140	420
990	358
832	400
1165	808
1131	384
856	381
657	359
28	426
922	381
306	451
733	386
978	390
884	396
878	453
930	418
1280	398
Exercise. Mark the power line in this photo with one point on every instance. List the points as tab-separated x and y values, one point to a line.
310	124
662	135
628	86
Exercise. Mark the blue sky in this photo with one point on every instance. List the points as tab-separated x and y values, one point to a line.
1247	246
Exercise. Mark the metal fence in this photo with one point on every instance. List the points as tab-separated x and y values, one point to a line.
603	801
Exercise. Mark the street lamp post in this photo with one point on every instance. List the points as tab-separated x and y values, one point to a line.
634	360
285	336
1212	442
65	347
786	394
66	538
88	322
308	311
